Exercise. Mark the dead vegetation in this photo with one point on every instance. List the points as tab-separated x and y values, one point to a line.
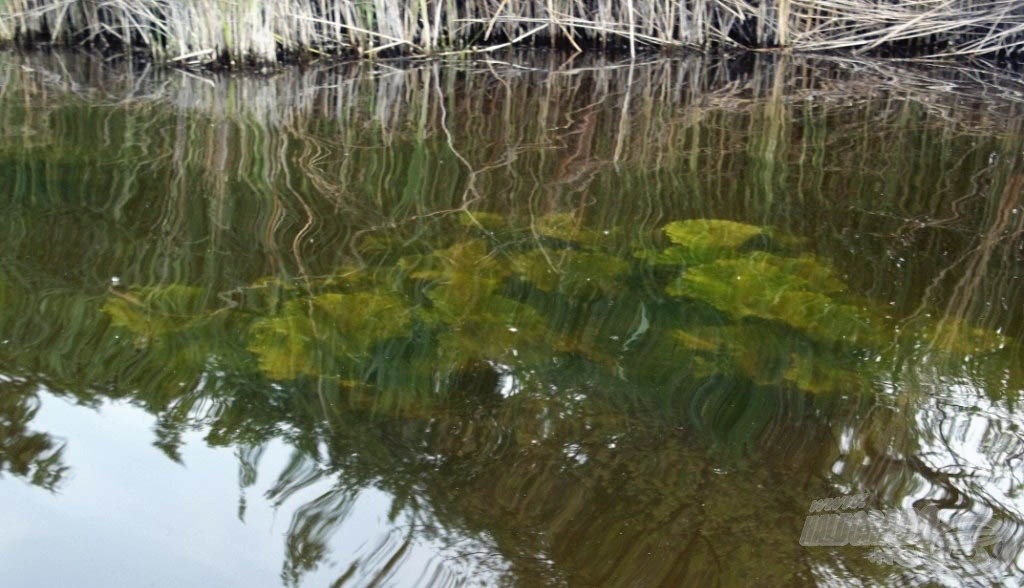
235	32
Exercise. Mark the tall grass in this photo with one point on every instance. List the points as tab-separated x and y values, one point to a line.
257	31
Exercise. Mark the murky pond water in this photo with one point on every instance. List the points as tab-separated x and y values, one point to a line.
492	322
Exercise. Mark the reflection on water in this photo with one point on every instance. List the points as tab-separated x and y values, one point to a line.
182	525
492	322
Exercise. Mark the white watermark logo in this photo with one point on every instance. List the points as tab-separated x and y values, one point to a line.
846	520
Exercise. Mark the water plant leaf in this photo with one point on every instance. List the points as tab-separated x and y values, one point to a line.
497	329
819	373
770	355
796	291
569	271
362	319
378	243
284	344
311	334
462	264
155	310
487	220
705	239
566	227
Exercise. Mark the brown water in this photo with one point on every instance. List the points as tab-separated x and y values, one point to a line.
530	321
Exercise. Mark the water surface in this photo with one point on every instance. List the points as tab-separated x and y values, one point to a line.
539	321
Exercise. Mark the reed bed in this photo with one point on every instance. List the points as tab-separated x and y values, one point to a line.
238	32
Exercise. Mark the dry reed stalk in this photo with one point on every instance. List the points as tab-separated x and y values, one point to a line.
254	31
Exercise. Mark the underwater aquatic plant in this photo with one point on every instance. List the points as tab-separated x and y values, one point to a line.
743	300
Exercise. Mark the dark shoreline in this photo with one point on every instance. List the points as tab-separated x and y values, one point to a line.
305	60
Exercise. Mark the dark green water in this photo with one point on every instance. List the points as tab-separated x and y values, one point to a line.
532	323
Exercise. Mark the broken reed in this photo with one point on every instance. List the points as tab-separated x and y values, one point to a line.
264	32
